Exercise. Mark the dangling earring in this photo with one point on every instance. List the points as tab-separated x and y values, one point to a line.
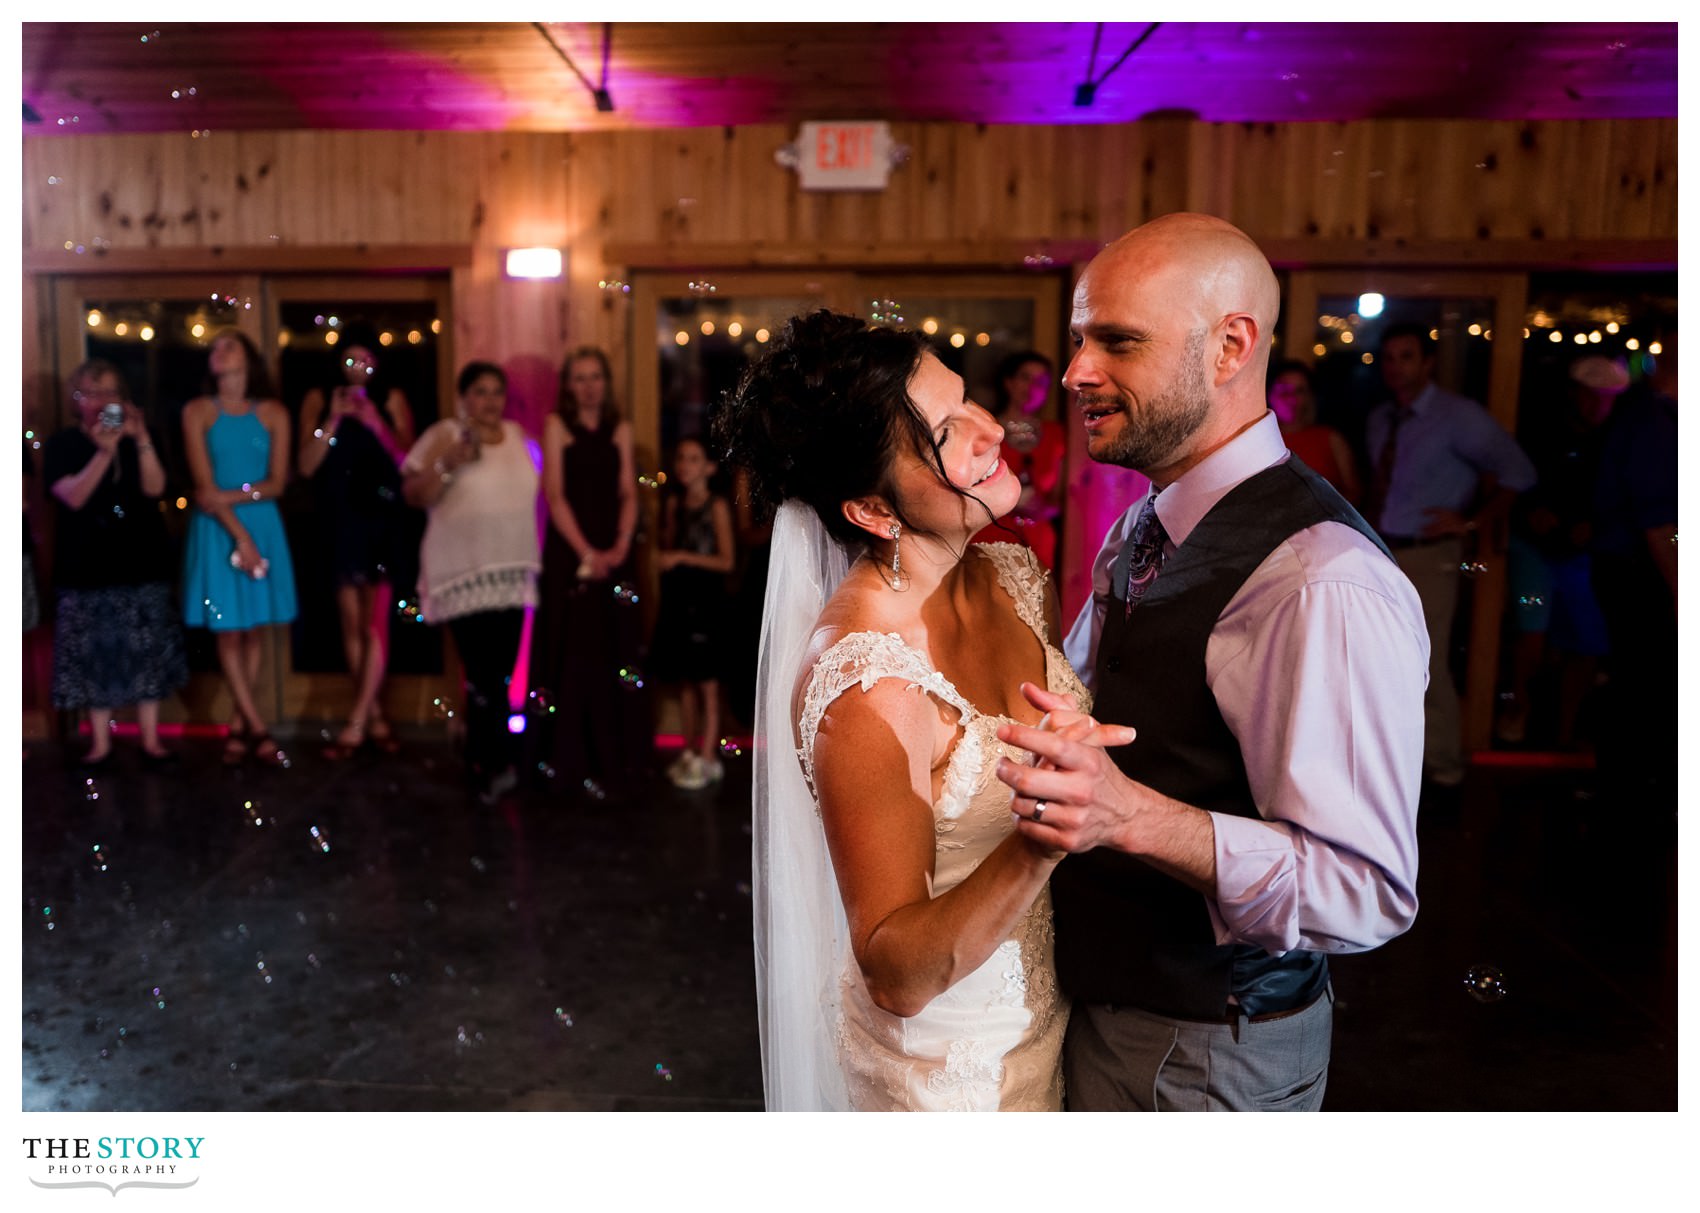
898	580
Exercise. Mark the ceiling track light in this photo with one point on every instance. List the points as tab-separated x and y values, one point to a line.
598	92
1086	92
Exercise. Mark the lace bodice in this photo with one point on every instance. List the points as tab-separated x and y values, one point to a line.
864	658
992	1040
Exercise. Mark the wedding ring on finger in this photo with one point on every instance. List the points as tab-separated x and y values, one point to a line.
1039	807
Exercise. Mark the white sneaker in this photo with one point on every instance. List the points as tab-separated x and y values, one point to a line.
691	775
712	769
680	765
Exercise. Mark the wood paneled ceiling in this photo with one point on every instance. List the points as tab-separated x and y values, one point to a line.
117	77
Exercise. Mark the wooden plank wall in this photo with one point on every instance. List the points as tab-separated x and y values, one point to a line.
693	200
974	194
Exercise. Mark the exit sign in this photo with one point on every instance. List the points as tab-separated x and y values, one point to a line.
844	155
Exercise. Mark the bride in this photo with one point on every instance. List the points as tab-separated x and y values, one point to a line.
903	929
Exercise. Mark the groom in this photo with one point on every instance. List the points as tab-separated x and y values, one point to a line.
1271	656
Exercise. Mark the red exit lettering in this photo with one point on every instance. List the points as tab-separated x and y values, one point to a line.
843	147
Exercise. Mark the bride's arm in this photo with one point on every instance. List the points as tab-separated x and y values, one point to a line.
874	754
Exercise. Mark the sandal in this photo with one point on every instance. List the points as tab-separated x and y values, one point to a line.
347	743
235	745
267	751
379	733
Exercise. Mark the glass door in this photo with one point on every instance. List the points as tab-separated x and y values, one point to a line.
311	319
156	329
693	335
1334	322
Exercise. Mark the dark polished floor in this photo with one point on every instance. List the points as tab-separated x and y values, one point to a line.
361	936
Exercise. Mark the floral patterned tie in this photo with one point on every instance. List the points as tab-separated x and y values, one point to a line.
1145	549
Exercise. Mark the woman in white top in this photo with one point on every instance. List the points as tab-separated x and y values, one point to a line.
903	928
476	475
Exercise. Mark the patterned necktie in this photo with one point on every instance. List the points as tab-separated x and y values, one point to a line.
1145	550
1384	462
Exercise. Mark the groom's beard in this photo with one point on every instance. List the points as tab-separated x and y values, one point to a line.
1153	432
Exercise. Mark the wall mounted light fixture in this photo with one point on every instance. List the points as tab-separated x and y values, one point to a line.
534	263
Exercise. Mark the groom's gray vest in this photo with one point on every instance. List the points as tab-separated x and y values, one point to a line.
1125	933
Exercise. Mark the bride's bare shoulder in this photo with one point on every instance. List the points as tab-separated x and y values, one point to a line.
857	605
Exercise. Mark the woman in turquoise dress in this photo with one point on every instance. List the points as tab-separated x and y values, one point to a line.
237	576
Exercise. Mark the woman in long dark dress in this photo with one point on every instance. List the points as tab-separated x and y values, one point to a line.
586	644
351	446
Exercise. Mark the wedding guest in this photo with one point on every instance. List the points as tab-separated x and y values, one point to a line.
353	436
1634	556
752	536
32	592
117	640
1034	449
237	576
587	643
1444	473
476	476
1553	617
1292	398
689	647
1270	655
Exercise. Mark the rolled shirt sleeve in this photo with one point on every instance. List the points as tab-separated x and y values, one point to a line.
1319	666
1486	445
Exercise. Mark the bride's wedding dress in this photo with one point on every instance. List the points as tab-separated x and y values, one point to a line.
993	1041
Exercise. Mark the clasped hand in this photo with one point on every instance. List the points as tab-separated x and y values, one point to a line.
1087	801
247	557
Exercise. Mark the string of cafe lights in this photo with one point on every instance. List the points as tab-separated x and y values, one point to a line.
1341	332
200	326
959	336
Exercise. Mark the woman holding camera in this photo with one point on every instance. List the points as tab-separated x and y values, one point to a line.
116	639
237	576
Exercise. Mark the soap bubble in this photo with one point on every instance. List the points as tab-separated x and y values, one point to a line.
885	311
1485	983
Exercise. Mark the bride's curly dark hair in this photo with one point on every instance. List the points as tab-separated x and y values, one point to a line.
821	415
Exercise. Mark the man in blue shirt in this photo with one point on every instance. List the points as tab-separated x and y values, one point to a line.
1441	469
1634	567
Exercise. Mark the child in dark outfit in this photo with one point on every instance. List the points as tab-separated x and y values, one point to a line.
695	556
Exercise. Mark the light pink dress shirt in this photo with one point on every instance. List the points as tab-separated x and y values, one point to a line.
1318	665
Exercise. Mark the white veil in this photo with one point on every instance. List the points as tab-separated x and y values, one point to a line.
801	940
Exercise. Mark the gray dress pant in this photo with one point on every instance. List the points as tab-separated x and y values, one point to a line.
1120	1059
